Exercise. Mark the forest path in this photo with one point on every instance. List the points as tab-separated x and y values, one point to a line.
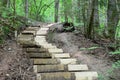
50	62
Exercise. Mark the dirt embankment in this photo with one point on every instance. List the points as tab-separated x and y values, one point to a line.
79	47
14	63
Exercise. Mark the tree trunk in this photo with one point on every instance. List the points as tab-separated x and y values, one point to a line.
112	18
65	10
56	10
84	15
8	3
78	19
26	8
96	14
14	11
90	28
4	3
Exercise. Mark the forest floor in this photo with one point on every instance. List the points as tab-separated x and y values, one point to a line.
86	51
14	63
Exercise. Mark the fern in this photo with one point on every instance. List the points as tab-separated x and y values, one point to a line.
116	52
91	48
116	64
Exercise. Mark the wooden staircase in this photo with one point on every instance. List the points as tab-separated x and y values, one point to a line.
50	62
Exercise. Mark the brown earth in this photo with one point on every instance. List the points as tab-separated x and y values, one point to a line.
96	59
14	63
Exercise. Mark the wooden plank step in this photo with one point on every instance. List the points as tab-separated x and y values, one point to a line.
55	50
54	61
45	61
77	67
59	68
48	26
33	28
68	76
32	46
41	33
64	55
48	68
44	42
25	37
37	39
26	43
35	50
68	61
29	32
43	54
39	55
47	45
26	40
40	37
44	29
86	75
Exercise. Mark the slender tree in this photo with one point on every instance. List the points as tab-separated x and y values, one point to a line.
4	3
65	10
26	8
56	10
112	18
8	3
96	14
78	17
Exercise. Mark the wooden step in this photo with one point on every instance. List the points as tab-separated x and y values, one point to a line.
32	46
48	26
25	37
68	76
48	68
26	43
40	37
29	32
59	68
44	29
33	28
86	75
45	61
44	43
64	55
44	54
41	33
40	55
54	61
47	46
77	67
55	50
68	61
35	50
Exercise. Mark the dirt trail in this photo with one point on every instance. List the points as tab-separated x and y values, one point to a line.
72	43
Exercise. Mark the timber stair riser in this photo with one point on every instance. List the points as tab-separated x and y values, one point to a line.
59	68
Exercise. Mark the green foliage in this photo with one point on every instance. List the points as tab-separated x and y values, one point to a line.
91	48
115	52
6	30
117	35
41	10
101	77
68	28
116	64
